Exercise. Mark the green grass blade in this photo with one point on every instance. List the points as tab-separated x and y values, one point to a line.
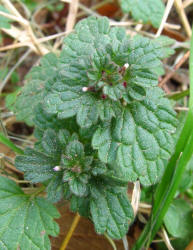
179	170
179	96
168	186
4	140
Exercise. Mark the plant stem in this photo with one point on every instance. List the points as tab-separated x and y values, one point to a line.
110	241
70	232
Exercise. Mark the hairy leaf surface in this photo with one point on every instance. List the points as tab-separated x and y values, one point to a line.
111	211
139	141
34	89
147	11
92	67
25	222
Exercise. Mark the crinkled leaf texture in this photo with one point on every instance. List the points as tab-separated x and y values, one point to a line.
92	78
93	57
34	89
25	222
139	141
100	121
60	162
148	11
59	159
37	164
111	211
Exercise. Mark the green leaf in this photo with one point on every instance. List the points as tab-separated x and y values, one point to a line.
34	90
187	178
38	164
178	219
75	149
80	205
78	187
145	57
108	109
56	189
88	76
148	11
4	21
139	140
44	120
26	222
10	144
14	77
111	212
59	157
3	72
11	98
98	168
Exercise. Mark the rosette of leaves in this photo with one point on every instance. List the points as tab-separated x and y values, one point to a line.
60	162
100	120
113	70
58	154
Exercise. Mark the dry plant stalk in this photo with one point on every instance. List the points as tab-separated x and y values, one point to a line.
165	16
186	3
176	67
22	35
166	239
180	9
27	43
72	15
136	197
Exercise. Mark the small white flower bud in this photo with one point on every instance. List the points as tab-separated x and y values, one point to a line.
126	65
84	89
56	168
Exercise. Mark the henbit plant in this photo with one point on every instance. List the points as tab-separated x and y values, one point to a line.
100	122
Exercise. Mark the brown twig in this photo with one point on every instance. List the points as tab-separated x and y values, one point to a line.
72	15
176	67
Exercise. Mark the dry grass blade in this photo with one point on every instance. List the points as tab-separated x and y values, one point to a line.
14	18
186	3
25	55
26	25
165	16
177	66
180	9
166	239
136	197
72	15
27	43
11	8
